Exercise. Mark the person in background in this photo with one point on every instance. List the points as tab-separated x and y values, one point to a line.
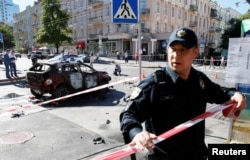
6	60
91	60
212	63
12	56
204	62
136	57
117	70
171	96
222	62
126	57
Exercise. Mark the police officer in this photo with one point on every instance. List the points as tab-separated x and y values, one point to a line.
170	97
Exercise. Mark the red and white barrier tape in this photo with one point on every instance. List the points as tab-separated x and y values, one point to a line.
18	108
134	149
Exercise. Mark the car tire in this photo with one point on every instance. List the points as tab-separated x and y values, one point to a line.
60	91
103	83
37	95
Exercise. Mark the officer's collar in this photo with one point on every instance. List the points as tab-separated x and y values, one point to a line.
174	76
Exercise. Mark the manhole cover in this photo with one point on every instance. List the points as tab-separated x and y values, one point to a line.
15	138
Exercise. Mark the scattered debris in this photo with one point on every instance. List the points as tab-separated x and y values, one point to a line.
10	95
17	114
98	140
108	122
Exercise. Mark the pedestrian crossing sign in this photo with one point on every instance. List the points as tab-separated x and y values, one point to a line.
125	11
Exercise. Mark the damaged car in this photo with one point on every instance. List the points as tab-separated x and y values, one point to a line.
63	78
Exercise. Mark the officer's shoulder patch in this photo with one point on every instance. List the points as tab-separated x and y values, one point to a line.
135	93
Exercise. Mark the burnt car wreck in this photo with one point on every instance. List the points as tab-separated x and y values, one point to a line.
62	78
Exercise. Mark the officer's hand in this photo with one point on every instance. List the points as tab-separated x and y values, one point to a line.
144	139
240	103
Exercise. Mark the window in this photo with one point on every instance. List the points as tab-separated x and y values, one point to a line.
165	10
157	27
172	11
157	7
179	13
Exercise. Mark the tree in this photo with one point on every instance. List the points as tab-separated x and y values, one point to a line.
234	29
8	38
54	21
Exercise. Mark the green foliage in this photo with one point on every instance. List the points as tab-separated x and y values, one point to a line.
8	38
54	28
233	30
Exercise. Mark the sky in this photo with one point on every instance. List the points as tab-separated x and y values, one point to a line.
242	7
23	3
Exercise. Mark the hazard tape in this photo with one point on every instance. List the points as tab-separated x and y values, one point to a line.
15	109
134	149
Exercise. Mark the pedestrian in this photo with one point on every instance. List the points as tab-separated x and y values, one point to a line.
136	57
222	63
212	63
171	96
91	59
97	57
118	55
117	70
12	57
33	58
126	57
204	62
6	60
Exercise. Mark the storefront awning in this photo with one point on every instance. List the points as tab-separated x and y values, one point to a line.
81	45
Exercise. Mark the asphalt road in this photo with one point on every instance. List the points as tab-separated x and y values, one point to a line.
81	127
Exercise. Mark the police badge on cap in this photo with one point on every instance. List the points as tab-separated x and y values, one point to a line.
185	36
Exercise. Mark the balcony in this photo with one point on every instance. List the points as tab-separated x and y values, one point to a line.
96	3
145	11
96	20
145	30
213	14
193	24
212	30
93	36
218	30
219	18
210	42
193	7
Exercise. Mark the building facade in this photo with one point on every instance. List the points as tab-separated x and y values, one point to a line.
7	10
94	31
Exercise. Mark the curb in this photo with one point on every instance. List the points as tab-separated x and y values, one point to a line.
11	81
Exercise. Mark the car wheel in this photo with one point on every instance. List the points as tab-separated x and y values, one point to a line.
60	91
34	93
103	83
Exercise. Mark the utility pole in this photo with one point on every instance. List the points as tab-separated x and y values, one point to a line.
139	38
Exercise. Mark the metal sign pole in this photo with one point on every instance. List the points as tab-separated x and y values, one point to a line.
139	38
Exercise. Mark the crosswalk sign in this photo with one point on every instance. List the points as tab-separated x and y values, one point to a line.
125	11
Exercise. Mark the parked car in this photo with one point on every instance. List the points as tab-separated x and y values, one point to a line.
63	78
67	58
86	58
18	55
38	55
1	58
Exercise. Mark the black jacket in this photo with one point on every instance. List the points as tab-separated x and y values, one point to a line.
164	101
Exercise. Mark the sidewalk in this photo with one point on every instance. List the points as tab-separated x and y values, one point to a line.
22	67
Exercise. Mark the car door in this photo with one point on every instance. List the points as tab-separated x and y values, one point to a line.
89	76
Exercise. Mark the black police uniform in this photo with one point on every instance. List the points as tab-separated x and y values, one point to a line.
163	100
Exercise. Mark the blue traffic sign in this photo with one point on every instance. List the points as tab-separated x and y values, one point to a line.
125	11
1	37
